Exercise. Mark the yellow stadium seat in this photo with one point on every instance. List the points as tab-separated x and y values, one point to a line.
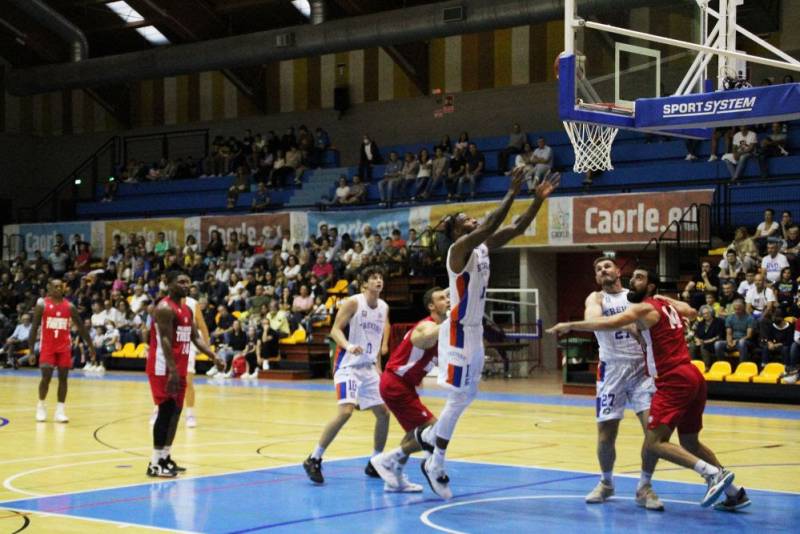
324	322
237	314
339	288
141	351
129	298
718	372
298	336
745	371
771	374
789	319
127	351
202	357
700	364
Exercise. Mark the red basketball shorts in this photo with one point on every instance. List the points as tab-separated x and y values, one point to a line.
61	358
679	400
158	387
403	401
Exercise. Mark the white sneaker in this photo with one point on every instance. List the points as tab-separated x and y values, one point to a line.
712	157
254	375
213	371
716	486
648	499
600	493
61	417
405	486
100	370
229	374
265	365
41	414
88	368
729	158
385	468
191	422
690	157
437	478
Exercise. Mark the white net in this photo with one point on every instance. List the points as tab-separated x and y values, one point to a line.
592	144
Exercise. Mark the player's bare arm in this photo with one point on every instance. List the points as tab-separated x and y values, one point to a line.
387	331
82	331
507	233
37	321
346	311
165	321
593	307
425	335
465	244
201	344
683	308
641	313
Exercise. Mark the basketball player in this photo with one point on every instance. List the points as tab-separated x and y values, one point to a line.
55	316
355	378
622	379
171	337
407	366
460	345
680	396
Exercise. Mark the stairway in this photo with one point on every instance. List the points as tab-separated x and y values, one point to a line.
316	185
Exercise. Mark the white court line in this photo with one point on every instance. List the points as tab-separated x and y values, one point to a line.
198	477
425	516
120	524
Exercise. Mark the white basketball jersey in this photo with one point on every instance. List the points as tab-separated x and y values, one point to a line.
468	288
365	330
617	344
192	305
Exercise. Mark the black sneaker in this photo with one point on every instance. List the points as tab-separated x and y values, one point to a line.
175	467
160	470
370	471
427	447
731	504
313	467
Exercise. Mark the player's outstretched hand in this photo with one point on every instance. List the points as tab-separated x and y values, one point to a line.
517	177
548	185
559	328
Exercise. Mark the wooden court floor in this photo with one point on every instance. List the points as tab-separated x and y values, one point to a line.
261	425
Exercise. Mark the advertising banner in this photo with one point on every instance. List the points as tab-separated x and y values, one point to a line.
353	222
631	218
149	228
253	226
42	236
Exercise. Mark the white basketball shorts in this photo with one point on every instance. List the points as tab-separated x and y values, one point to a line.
358	385
622	383
461	356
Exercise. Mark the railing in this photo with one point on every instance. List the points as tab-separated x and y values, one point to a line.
168	145
12	245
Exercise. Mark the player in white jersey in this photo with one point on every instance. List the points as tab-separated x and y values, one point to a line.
623	380
461	334
355	376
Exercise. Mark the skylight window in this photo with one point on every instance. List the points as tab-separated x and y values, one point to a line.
303	7
152	34
125	12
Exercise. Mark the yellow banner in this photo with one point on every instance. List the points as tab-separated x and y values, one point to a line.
535	234
149	228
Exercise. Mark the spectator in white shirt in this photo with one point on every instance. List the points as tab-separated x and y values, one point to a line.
744	143
747	283
98	315
19	338
58	259
342	190
774	262
542	160
139	298
759	298
730	266
766	229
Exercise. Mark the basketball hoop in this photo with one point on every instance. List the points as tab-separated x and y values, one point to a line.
592	144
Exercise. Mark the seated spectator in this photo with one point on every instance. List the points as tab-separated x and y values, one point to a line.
369	157
302	304
234	342
455	173
463	143
322	142
439	166
357	193
424	171
760	298
445	145
83	261
392	178
241	183
294	161
707	332
706	280
318	314
261	199
772	145
730	267
711	302
791	248
542	160
725	132
18	340
223	324
280	171
516	141
744	145
746	249
354	259
323	270
475	164
786	223
766	229
342	191
738	334
409	172
776	338
785	290
774	262
726	298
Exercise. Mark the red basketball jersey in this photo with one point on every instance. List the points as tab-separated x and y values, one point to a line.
181	341
56	323
409	362
667	337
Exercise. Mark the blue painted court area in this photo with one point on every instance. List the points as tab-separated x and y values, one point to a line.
489	498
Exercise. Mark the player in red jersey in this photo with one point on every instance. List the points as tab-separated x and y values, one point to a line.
171	335
55	315
680	396
407	366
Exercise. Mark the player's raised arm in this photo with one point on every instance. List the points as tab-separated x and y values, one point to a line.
637	312
542	191
165	320
76	318
343	316
425	335
465	244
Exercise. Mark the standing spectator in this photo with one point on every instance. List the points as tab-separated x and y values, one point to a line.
369	157
438	172
260	198
83	262
760	298
357	193
774	262
516	141
58	260
455	173
773	145
392	177
738	333
706	333
744	143
543	162
474	171
766	229
342	191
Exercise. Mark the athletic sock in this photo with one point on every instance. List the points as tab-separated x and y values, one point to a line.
40	404
164	453
376	452
644	479
705	469
189	412
167	451
428	435
608	478
438	457
318	452
155	457
396	454
60	407
732	490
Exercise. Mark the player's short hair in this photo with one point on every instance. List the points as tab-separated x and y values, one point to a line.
370	271
652	276
604	258
172	276
427	299
449	224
